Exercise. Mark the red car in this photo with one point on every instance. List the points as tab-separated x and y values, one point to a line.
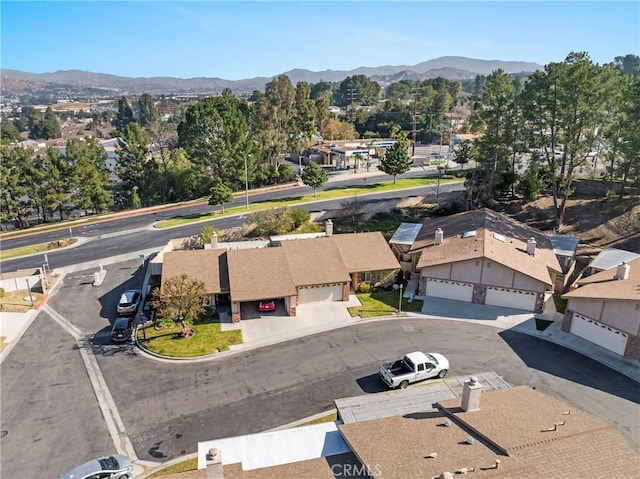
265	306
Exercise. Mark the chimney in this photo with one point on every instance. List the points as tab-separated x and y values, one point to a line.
439	237
214	464
531	246
328	227
471	395
213	243
622	271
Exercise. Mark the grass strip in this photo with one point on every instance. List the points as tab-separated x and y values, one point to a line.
383	304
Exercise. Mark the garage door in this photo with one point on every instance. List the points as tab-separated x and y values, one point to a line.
320	293
511	298
441	288
599	333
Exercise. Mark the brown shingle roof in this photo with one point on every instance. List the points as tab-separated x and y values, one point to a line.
365	252
603	285
259	273
511	253
209	266
509	422
315	261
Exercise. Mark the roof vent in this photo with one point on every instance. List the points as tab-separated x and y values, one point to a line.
439	237
622	271
531	246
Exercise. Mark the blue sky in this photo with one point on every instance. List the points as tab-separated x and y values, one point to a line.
242	39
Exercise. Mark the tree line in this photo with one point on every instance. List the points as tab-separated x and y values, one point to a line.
214	145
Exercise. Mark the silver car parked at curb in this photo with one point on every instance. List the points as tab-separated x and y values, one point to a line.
115	466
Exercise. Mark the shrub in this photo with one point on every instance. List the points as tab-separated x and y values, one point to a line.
299	216
364	287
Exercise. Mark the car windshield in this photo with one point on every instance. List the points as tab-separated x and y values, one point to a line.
108	463
121	324
432	359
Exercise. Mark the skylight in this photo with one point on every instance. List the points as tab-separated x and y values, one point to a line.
469	234
498	236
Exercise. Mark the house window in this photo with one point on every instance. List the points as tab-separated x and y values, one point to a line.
366	276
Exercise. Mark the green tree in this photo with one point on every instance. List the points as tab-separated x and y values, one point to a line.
396	160
8	131
358	89
216	134
136	167
50	127
15	205
148	112
182	300
566	109
90	178
464	152
628	168
275	115
124	115
207	233
219	194
494	119
628	65
163	138
314	176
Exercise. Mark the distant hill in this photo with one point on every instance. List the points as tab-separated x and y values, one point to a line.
451	68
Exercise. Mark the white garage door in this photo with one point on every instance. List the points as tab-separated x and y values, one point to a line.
320	293
441	288
599	333
511	298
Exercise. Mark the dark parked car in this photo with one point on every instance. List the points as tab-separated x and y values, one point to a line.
122	329
129	302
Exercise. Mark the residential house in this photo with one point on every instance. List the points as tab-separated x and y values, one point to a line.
605	309
565	248
515	432
294	271
608	258
483	257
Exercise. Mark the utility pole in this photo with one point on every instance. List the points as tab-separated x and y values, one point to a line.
415	119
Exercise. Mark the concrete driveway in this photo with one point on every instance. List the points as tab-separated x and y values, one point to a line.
268	328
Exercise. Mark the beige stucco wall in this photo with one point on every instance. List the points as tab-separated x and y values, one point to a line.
586	307
495	274
440	271
622	315
468	271
521	281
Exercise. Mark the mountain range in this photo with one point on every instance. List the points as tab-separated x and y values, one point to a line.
450	67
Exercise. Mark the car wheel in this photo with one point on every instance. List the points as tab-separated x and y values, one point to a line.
124	477
442	373
404	384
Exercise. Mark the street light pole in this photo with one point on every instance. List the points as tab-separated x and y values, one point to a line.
246	181
400	301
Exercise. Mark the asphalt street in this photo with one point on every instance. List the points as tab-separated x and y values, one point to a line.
131	235
48	404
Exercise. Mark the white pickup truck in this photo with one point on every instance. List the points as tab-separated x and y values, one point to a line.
413	367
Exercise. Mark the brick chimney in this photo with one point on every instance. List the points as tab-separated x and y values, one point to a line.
622	271
439	237
471	395
328	227
531	246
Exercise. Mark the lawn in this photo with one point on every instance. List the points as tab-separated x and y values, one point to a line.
383	304
184	466
36	248
338	192
19	301
207	340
